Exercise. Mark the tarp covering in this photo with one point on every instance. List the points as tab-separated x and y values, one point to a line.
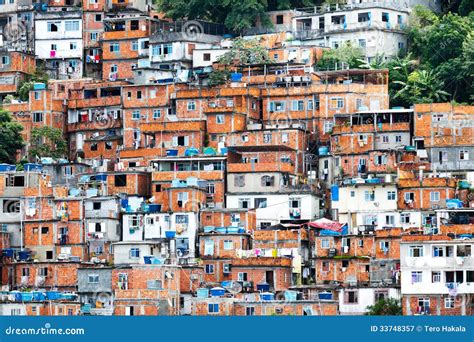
329	227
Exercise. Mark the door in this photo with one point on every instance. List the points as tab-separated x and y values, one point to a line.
269	278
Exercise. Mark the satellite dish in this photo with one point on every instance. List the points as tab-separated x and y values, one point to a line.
233	287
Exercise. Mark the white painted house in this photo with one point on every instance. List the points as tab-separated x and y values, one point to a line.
58	42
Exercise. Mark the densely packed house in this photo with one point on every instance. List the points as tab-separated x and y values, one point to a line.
284	191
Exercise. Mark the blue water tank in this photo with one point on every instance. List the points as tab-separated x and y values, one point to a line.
236	77
217	292
267	296
202	293
323	151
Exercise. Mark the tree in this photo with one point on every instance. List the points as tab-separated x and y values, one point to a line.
10	138
422	86
47	142
244	52
385	307
26	85
236	15
347	54
442	45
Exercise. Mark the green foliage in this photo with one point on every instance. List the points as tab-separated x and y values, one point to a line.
47	142
244	52
236	15
10	138
218	77
385	307
444	47
350	55
26	86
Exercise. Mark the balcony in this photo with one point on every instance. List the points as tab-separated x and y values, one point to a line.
95	102
260	167
103	213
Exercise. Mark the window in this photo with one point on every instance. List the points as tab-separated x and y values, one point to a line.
276	106
114	68
380	160
191	105
98	17
463	155
72	46
114	47
361	243
424	303
363	17
398	138
136	115
210	188
328	126
134	253
52	27
337	103
381	295
267	181
206	57
416	251
409	197
25	271
156	114
260	202
228	245
120	180
369	196
405	218
242	276
239	181
244	203
297	105
295	203
37	117
385	139
390	220
384	246
135	45
139	94
44	230
5	60
439	251
449	303
250	311
267	138
443	156
220	119
385	17
350	297
325	243
352	194
93	278
435	277
463	251
213	308
93	36
96	205
416	277
43	271
72	25
391	195
209	269
434	196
